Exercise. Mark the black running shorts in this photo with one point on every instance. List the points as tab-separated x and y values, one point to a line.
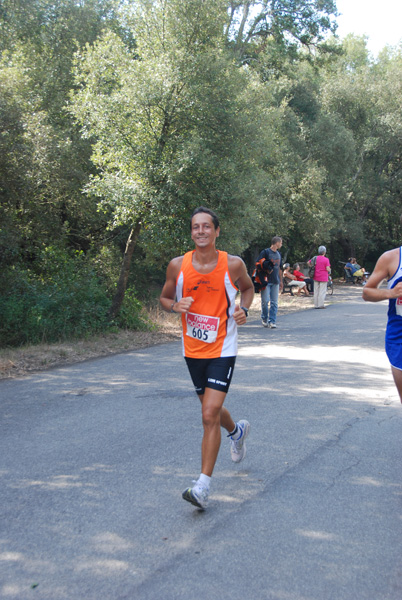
215	373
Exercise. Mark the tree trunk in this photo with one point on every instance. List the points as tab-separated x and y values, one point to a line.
125	270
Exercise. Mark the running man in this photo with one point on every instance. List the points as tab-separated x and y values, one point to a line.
389	266
201	287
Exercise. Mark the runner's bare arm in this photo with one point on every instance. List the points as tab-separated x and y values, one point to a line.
168	296
241	278
386	266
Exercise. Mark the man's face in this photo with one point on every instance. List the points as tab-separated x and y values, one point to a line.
278	244
203	231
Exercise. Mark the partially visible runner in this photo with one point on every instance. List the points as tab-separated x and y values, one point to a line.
201	286
389	266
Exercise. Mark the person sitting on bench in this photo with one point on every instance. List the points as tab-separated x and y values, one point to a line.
292	281
300	277
358	273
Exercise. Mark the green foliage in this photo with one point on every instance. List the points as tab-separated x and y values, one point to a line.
62	300
363	97
132	314
280	28
170	127
43	162
244	107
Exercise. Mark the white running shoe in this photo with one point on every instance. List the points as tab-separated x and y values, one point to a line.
198	495
238	447
272	325
264	323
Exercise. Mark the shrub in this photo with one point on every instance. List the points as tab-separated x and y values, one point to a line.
132	314
62	298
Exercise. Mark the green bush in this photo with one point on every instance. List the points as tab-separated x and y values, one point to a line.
62	298
132	315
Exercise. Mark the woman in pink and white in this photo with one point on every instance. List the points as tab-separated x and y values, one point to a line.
321	272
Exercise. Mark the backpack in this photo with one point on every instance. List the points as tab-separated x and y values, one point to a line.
260	274
311	269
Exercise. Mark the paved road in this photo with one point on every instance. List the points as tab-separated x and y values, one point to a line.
94	456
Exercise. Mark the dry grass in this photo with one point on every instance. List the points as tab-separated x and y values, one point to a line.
17	362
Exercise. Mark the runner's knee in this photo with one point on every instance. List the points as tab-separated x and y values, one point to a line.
211	415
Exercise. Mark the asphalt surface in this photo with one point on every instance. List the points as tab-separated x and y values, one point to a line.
94	457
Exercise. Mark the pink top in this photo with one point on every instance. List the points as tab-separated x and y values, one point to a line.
321	273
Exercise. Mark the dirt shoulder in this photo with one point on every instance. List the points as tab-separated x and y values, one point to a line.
18	362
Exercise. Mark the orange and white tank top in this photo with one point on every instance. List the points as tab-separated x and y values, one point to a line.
209	329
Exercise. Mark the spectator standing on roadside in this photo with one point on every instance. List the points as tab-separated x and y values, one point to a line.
321	272
270	294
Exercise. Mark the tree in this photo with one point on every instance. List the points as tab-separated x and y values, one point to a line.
45	162
170	125
279	25
364	96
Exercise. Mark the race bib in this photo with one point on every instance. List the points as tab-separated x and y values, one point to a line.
202	327
398	307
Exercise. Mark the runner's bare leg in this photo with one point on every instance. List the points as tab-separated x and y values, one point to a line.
214	415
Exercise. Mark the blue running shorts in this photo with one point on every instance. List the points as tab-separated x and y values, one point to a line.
394	353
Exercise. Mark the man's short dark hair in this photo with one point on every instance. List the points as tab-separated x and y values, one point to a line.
276	239
208	211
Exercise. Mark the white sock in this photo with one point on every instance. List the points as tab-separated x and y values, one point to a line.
204	480
236	436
